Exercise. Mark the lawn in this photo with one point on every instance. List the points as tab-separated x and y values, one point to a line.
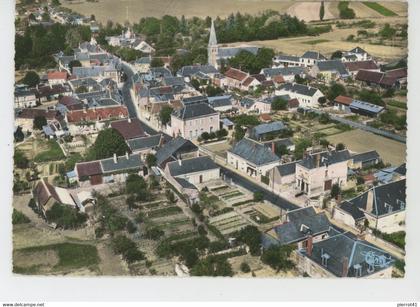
70	256
391	151
52	153
397	104
380	9
164	212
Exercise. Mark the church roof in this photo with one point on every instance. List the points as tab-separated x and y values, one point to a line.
212	39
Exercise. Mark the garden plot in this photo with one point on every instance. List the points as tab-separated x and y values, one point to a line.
261	213
231	195
229	222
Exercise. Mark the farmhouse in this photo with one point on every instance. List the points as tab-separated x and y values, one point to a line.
57	77
359	53
145	144
383	206
306	95
310	58
24	98
330	70
344	255
263	130
194	119
252	158
282	176
115	169
129	128
46	195
342	103
195	170
318	172
354	67
221	103
287	73
176	148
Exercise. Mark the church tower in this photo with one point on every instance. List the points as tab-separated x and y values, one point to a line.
212	49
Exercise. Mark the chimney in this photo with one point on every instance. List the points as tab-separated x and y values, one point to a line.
369	201
180	162
317	159
126	155
115	158
345	267
309	245
273	147
129	120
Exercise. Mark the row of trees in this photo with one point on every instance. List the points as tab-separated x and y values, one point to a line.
219	134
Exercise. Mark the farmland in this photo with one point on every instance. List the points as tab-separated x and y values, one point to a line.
142	8
357	140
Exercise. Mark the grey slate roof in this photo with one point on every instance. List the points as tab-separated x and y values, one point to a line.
185	183
287	168
228	52
365	156
299	88
302	222
194	110
402	169
133	162
353	210
286	142
192	165
357	252
220	101
174	81
313	55
333	65
262	129
247	102
254	152
172	148
287	58
158	72
188	71
326	158
283	71
194	99
142	143
387	198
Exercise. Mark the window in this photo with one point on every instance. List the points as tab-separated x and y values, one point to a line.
211	128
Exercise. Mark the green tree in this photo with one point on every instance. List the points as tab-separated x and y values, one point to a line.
340	146
239	133
65	216
55	3
150	160
322	100
387	31
371	96
135	184
157	62
39	122
165	115
300	147
281	149
245	267
20	160
108	143
258	196
74	63
335	191
31	79
18	134
212	266
335	90
277	257
321	11
338	54
251	236
279	103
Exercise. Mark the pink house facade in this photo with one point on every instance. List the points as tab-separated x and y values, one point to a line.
194	119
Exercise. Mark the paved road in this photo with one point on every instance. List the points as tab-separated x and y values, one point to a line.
239	180
251	186
364	127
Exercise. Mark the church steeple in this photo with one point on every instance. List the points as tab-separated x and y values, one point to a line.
213	39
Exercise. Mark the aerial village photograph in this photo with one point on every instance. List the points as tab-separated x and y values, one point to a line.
236	138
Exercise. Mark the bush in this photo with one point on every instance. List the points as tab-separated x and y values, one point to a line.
335	191
277	257
127	248
212	266
20	160
201	230
19	218
251	236
65	216
153	233
345	11
245	267
39	122
131	228
258	196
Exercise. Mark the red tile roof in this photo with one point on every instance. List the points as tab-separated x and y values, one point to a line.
57	75
369	76
248	81
97	114
88	168
278	79
32	113
265	118
43	191
129	128
236	74
355	66
293	103
343	100
397	73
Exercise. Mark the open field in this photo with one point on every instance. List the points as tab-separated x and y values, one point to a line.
327	43
157	8
380	9
357	140
142	8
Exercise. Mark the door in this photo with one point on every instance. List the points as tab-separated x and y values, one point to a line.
327	185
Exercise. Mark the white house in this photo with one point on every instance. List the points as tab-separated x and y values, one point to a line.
252	158
306	95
